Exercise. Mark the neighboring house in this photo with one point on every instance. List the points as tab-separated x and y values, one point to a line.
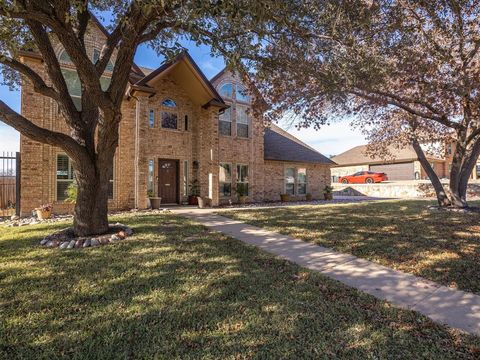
177	127
404	165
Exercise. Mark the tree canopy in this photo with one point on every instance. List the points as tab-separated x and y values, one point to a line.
233	29
409	70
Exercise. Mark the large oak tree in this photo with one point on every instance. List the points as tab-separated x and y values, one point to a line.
409	70
232	29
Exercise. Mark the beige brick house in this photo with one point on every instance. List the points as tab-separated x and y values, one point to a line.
177	127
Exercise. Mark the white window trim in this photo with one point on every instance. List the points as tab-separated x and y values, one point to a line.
231	180
151	112
70	168
295	180
248	175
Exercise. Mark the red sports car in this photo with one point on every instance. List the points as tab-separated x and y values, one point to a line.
363	177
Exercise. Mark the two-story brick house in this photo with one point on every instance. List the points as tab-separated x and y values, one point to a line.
177	127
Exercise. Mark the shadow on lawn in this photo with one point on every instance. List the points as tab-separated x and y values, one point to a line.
405	235
158	294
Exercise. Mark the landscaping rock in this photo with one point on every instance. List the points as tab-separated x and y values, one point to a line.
64	245
87	243
121	234
44	241
94	242
14	217
71	244
128	231
114	238
78	243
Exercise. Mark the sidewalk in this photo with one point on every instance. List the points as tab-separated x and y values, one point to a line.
455	308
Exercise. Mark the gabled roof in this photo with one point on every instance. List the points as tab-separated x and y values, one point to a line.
281	146
169	67
358	156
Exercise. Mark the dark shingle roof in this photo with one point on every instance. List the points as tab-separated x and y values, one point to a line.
358	156
282	146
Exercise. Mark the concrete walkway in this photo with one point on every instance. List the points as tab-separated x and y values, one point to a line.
455	308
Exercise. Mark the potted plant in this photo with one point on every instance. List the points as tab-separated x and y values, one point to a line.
242	191
204	202
193	193
155	201
327	192
309	197
285	197
44	211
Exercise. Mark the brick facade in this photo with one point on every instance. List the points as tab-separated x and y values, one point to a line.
199	148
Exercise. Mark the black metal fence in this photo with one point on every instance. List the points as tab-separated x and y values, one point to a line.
9	183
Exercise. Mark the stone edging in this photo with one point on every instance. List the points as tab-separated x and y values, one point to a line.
64	239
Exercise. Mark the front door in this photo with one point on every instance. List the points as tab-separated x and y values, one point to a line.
168	181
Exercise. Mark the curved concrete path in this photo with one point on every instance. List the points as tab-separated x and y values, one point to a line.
444	305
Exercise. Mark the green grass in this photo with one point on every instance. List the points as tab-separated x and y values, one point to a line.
404	235
157	295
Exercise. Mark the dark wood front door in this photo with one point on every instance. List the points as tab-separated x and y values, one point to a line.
168	181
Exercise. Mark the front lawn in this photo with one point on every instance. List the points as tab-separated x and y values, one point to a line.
402	234
163	294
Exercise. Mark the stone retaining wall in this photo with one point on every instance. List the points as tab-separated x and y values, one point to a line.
398	190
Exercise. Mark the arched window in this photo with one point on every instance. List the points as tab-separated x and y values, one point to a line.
242	94
169	117
226	90
64	57
96	56
169	103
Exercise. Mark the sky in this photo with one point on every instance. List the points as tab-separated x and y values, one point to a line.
329	140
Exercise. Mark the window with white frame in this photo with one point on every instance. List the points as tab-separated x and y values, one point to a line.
64	176
169	115
151	118
96	56
72	80
225	122
295	181
185	178
301	181
290	181
242	121
226	90
241	94
242	176
150	189
225	180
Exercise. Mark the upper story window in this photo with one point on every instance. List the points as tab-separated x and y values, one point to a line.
169	103
72	80
239	97
226	90
151	118
96	56
241	94
242	121
225	122
169	115
64	57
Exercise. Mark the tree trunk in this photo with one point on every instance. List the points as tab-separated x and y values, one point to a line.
91	207
442	196
457	174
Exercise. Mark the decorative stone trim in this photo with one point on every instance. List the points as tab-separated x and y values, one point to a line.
65	239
